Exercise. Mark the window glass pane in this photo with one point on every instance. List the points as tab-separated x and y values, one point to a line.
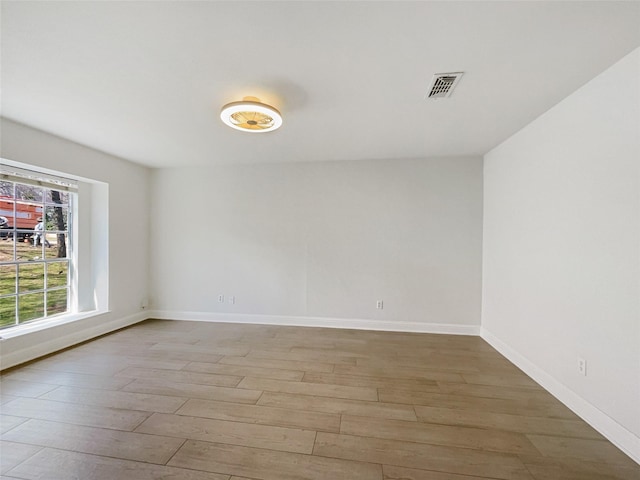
49	240
6	232
28	215
7	311
57	274
30	277
56	301
39	233
24	236
58	246
6	250
25	250
7	279
57	218
57	197
7	214
6	189
29	192
30	307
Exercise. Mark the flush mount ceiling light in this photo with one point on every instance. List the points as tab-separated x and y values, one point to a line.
250	115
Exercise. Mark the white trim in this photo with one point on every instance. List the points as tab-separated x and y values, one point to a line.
45	348
52	173
46	323
36	177
622	438
300	321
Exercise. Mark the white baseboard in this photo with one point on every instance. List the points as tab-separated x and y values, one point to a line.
607	426
349	323
40	349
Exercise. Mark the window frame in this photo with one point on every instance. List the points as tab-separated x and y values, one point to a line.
46	183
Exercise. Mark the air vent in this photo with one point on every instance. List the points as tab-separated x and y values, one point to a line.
442	84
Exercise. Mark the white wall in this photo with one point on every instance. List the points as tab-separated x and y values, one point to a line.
561	260
321	240
125	219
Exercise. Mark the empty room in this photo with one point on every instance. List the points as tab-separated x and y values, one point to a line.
320	240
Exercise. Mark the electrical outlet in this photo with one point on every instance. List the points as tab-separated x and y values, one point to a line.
232	299
379	305
582	366
221	298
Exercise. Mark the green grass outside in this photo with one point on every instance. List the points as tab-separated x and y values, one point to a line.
31	306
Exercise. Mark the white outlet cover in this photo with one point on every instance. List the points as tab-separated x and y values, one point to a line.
582	366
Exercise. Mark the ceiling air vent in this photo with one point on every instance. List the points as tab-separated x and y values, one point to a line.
442	84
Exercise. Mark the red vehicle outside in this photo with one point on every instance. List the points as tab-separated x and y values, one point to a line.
25	218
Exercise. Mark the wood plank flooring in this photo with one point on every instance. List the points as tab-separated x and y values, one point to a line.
204	401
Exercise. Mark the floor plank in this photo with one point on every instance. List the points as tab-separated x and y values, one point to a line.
394	372
281	417
19	388
90	366
421	456
330	355
427	364
181	376
12	454
6	398
546	468
532	407
493	391
337	405
98	441
52	464
218	350
7	422
150	360
88	415
421	385
504	380
244	371
190	390
580	449
34	374
125	400
391	472
306	388
232	433
270	465
512	423
256	360
474	438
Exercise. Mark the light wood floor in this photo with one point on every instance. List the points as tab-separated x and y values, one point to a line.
196	401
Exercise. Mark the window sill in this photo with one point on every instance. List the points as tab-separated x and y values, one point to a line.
37	326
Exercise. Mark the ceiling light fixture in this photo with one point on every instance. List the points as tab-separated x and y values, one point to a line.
250	115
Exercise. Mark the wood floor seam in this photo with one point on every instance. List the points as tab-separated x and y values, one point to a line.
177	450
25	459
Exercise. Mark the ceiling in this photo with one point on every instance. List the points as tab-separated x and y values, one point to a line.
146	80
